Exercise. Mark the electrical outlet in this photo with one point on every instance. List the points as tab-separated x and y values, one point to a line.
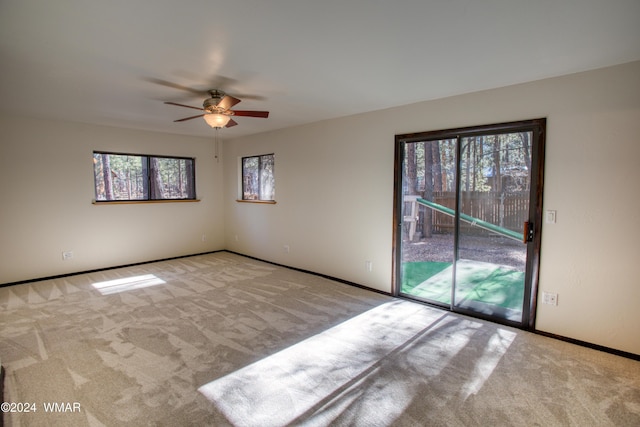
237	238
67	255
549	298
204	237
286	249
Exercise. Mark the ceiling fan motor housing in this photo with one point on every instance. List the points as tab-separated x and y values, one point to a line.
211	104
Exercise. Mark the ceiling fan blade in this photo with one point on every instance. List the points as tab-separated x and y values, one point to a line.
250	96
189	118
226	84
176	86
227	102
246	113
182	105
219	82
231	123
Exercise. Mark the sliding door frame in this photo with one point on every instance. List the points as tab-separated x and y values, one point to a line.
538	129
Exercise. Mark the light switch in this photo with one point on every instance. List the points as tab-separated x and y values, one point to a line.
551	217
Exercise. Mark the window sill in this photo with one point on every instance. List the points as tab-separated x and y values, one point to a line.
264	202
138	202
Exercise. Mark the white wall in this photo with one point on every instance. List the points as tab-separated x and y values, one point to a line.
46	190
334	188
334	191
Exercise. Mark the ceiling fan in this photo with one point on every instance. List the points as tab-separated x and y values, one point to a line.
217	110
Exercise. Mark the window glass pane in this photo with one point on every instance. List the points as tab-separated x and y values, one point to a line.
171	178
119	177
267	182
493	200
250	178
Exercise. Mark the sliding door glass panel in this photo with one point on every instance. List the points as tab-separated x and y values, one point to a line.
493	203
428	187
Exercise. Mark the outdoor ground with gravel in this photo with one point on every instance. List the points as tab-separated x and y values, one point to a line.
439	247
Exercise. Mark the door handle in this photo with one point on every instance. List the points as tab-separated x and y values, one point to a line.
527	233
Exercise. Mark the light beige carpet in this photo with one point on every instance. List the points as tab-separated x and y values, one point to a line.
220	339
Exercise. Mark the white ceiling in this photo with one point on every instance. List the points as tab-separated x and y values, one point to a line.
91	61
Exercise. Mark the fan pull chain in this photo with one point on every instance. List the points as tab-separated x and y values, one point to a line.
216	145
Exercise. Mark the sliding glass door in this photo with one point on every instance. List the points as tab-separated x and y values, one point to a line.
467	201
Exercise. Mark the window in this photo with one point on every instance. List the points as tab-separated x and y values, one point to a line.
258	182
132	177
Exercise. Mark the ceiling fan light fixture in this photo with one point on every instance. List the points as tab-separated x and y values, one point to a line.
216	120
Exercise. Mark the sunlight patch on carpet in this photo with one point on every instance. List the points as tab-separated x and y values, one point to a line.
485	364
295	383
109	287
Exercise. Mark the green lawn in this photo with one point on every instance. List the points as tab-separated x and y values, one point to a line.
477	281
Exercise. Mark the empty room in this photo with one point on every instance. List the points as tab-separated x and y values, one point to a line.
282	213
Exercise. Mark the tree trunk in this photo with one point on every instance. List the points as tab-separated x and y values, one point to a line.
428	187
524	136
191	193
179	177
474	183
412	169
497	176
437	166
449	161
106	174
155	188
467	166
